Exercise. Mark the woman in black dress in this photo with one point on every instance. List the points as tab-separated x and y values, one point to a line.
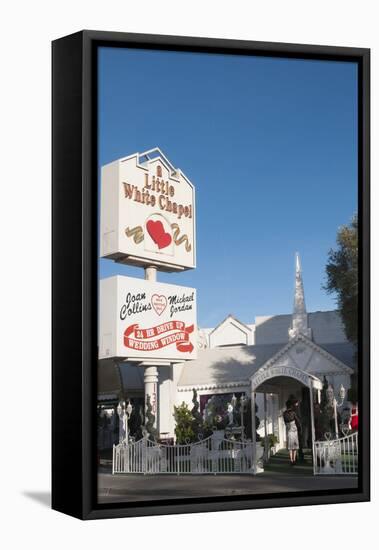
292	423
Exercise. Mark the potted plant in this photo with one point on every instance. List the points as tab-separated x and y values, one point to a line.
272	441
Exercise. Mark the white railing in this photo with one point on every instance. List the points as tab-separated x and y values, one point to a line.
214	455
336	456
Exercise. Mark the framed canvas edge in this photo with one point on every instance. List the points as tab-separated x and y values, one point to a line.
83	505
67	364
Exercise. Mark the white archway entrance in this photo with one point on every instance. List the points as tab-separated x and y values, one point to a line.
272	380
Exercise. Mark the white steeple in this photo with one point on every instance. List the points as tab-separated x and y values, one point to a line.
299	315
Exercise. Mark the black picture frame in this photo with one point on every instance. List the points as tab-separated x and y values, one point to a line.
74	271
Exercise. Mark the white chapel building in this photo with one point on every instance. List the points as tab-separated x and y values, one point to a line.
267	360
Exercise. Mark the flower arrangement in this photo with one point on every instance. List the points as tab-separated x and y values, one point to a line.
215	412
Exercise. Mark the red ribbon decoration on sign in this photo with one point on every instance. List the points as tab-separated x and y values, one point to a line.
180	338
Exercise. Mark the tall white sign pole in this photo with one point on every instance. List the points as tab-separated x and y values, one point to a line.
151	372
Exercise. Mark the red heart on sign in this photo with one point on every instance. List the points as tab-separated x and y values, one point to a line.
158	234
159	303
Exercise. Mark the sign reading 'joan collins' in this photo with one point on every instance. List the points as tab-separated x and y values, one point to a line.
147	213
143	320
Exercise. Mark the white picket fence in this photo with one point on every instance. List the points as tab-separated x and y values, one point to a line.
214	455
336	456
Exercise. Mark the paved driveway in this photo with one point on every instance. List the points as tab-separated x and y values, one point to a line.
129	488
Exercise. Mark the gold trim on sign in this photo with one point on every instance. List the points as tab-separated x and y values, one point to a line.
138	235
182	239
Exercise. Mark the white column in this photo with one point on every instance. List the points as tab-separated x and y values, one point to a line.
165	402
253	433
151	373
280	419
150	273
151	388
265	426
312	425
275	415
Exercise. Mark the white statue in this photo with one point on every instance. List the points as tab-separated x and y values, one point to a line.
124	413
230	414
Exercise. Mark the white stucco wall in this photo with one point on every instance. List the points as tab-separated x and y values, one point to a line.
166	423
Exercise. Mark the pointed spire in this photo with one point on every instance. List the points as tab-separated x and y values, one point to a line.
299	315
299	299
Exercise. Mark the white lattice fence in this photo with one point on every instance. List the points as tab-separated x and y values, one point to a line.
337	456
213	455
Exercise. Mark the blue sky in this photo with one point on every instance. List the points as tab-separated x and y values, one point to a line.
271	146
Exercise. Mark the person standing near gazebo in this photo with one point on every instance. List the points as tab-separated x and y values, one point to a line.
292	423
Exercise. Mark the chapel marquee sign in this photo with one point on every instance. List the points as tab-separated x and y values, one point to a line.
147	213
271	372
143	320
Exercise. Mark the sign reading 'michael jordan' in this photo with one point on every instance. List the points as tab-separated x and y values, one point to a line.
147	212
146	320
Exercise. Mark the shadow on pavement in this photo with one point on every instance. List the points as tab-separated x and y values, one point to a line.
42	497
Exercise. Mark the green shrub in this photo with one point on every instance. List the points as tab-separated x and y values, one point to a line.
272	441
184	424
